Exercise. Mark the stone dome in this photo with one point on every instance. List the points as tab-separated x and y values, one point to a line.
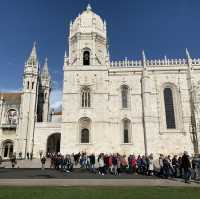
88	22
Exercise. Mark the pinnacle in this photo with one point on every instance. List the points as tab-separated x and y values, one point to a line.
34	51
89	7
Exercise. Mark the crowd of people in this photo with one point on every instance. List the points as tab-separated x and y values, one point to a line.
176	167
165	167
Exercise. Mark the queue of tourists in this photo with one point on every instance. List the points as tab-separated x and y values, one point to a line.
115	164
175	167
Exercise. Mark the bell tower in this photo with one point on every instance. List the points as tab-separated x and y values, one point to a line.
29	104
88	40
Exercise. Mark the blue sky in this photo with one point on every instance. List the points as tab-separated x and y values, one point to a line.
160	27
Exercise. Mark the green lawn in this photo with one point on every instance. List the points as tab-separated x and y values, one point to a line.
99	193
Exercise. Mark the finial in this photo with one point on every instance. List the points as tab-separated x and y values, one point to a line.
65	54
46	60
187	53
89	7
34	44
143	56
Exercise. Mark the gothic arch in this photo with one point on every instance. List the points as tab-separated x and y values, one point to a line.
85	97
7	148
86	56
125	96
171	113
85	130
126	131
53	143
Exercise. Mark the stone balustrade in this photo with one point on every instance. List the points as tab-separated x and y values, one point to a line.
125	63
157	62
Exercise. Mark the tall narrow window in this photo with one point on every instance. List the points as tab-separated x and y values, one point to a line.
85	136
32	85
84	126
8	149
126	131
86	58
169	109
28	85
124	96
85	97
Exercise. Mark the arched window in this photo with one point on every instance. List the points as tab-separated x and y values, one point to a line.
12	117
84	136
85	97
126	131
28	85
84	127
169	108
8	149
124	96
86	58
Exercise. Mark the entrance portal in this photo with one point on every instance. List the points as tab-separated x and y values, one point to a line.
53	143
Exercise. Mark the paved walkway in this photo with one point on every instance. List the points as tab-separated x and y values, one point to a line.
95	182
35	163
49	177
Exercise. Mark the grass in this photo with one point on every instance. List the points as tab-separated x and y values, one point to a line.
99	193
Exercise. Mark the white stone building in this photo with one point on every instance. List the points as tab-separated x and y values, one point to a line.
141	107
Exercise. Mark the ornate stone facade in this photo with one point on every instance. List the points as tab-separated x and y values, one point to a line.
145	106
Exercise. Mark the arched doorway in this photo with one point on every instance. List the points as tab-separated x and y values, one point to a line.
8	148
53	143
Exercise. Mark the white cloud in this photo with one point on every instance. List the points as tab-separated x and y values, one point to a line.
56	99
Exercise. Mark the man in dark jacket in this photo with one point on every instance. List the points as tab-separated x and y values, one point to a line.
92	163
186	166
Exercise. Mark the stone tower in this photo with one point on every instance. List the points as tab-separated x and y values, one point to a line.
85	89
25	133
88	40
44	94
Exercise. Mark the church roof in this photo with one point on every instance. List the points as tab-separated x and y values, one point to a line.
11	98
57	113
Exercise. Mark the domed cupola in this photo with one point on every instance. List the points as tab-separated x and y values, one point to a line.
88	40
88	22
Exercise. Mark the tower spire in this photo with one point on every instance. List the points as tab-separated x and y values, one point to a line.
45	70
33	54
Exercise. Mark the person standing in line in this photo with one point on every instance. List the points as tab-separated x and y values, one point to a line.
92	162
175	165
43	161
151	165
101	165
13	160
161	173
186	167
195	167
114	163
27	154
